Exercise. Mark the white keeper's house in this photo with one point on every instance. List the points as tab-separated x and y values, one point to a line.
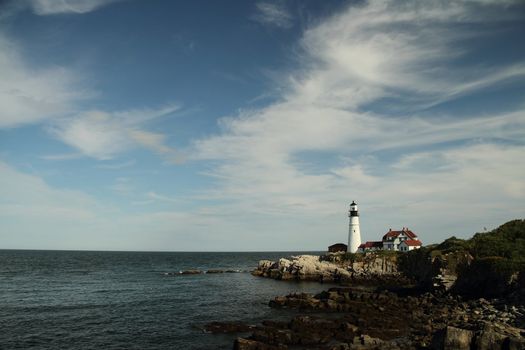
403	240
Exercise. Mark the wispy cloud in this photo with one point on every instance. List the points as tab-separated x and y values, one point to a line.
274	14
405	52
29	197
36	215
156	142
52	7
103	135
29	95
116	166
62	156
122	186
160	197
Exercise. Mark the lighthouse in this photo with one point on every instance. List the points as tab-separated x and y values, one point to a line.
354	234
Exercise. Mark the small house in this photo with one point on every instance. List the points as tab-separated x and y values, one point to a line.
403	240
338	247
370	246
409	244
392	239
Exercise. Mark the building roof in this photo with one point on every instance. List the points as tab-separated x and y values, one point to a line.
371	244
394	234
412	242
337	245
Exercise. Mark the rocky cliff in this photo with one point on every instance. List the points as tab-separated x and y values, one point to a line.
330	268
491	264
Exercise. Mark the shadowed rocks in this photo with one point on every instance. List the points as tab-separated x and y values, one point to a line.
198	272
350	318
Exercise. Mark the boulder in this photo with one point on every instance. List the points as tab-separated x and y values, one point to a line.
452	338
248	344
228	327
489	340
191	272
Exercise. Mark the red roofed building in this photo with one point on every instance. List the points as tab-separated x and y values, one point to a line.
409	244
370	246
393	239
403	240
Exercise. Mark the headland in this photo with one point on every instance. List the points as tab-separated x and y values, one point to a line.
460	294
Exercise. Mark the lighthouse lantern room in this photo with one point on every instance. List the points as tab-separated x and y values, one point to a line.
354	233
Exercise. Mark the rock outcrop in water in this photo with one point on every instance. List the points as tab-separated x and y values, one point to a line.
198	272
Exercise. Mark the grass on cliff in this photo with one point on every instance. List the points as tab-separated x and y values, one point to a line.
349	258
506	241
497	259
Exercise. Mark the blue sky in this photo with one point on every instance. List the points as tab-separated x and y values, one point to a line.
251	125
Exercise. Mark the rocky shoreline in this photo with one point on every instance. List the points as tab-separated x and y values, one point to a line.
350	318
200	272
393	312
330	268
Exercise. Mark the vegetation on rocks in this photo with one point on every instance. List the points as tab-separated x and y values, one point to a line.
347	258
506	241
486	310
489	264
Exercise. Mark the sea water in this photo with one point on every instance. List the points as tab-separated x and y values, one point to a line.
131	300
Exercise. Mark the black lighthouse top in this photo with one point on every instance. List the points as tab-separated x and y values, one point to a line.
353	210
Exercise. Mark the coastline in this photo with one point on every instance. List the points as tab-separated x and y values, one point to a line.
394	311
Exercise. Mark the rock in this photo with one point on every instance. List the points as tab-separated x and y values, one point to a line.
368	340
215	271
340	346
364	319
272	336
228	327
515	343
248	344
274	273
489	338
191	272
265	264
302	267
452	338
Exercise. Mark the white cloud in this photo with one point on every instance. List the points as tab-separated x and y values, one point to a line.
30	95
156	143
377	50
274	14
386	48
163	198
122	186
27	197
103	135
285	173
52	7
36	215
116	166
62	156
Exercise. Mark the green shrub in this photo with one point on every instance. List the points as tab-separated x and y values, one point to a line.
506	241
488	276
452	244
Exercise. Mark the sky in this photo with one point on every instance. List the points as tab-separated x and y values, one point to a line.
251	125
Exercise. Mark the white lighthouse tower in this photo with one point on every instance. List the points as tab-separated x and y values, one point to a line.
354	233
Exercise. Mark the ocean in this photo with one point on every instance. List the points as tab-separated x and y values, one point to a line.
131	300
